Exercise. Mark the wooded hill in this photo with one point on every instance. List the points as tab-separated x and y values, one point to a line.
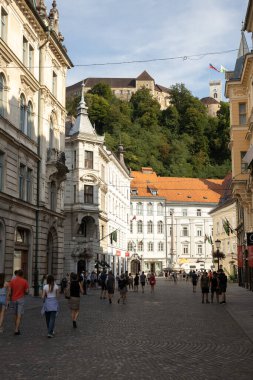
181	141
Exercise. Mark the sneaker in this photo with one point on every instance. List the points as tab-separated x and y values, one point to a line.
74	324
50	336
17	332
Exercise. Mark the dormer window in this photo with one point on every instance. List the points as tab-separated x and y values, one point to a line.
152	190
134	191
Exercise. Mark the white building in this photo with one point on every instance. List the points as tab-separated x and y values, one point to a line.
96	199
34	65
170	225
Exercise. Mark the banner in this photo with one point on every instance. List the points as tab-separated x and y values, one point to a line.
240	256
250	256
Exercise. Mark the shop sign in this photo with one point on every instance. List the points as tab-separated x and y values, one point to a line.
118	252
250	256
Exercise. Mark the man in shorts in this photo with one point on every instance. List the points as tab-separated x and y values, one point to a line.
18	287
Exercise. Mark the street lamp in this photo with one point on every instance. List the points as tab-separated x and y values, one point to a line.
217	254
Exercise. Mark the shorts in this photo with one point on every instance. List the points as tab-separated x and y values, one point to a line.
18	306
103	286
205	290
142	283
74	303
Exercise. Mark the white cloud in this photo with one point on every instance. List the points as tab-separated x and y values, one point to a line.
99	31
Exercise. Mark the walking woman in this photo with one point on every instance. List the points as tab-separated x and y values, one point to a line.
76	287
122	288
51	305
3	299
136	283
152	282
214	287
110	284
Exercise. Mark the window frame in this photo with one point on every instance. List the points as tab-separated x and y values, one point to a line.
88	194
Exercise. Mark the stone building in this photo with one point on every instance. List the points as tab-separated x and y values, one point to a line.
96	200
212	102
239	91
170	225
33	70
124	88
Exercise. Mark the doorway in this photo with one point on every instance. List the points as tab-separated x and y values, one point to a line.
20	261
152	267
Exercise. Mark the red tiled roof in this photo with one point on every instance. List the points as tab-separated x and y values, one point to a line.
178	189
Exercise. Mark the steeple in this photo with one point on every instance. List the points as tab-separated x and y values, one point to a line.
54	17
82	123
243	48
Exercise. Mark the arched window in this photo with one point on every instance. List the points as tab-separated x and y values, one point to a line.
150	209
139	227
150	227
2	94
130	246
22	114
160	227
139	208
160	209
150	246
30	119
140	246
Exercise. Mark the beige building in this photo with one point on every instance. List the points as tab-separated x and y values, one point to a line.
240	94
33	70
124	88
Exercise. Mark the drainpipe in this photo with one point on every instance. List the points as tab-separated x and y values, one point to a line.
36	270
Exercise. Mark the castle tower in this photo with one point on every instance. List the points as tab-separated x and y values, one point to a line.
215	88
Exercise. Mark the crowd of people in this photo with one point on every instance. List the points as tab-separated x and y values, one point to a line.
12	293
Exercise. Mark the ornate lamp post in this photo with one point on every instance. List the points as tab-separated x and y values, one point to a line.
217	254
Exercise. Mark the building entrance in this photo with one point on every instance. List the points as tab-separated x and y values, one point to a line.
20	261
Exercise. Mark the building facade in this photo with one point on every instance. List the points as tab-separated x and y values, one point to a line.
96	200
124	88
170	225
33	70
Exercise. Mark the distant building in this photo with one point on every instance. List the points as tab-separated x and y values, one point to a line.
124	88
212	102
170	225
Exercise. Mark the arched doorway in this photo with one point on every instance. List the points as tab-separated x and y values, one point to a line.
135	266
81	266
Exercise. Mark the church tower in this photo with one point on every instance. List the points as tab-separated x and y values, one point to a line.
215	88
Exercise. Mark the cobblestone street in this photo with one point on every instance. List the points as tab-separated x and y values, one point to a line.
166	335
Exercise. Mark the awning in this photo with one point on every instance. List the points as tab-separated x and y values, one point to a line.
248	156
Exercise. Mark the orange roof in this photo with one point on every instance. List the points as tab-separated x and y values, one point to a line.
178	189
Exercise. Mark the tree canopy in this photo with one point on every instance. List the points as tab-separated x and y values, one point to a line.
182	140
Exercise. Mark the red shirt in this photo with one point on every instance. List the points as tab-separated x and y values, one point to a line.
18	286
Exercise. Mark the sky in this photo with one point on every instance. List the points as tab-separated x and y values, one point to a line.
102	31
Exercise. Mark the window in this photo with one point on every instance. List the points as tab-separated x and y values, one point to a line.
139	208
242	113
54	84
139	227
215	95
130	246
74	192
88	159
3	24
160	246
198	212
22	181
160	209
51	134
171	211
185	249
25	51
150	246
185	231
2	94
103	172
53	196
160	227
30	58
199	231
244	165
1	171
29	185
199	249
150	227
88	194
22	113
131	208
140	246
131	227
184	212
74	159
30	119
150	209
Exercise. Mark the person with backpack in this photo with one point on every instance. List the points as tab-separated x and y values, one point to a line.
205	284
152	282
102	279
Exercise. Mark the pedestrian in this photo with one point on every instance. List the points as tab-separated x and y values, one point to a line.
110	284
3	299
18	288
136	283
76	287
174	275
194	277
50	304
222	281
102	280
148	276
130	281
122	288
152	281
142	281
205	284
214	287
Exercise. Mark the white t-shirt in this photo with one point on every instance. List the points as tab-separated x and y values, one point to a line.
50	294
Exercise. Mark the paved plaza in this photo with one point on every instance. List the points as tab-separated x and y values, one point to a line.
166	335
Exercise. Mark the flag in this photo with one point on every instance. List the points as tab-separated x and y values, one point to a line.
113	236
223	69
227	227
209	239
212	67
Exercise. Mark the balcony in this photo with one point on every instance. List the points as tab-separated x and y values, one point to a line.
56	167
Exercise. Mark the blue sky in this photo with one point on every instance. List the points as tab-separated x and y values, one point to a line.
101	31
